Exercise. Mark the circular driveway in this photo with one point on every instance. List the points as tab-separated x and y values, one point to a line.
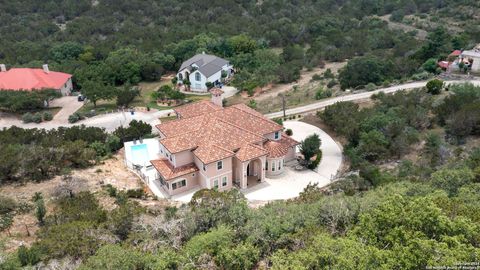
292	182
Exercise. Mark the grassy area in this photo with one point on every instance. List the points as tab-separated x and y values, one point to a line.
144	100
296	96
102	106
167	118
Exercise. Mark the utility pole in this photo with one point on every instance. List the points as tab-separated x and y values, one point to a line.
283	104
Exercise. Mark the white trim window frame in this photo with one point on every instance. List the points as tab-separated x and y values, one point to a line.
224	181
215	183
219	165
179	184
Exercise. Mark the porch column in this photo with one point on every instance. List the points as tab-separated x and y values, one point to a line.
243	181
262	167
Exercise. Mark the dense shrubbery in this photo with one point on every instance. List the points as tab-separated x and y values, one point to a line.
128	41
387	130
218	230
25	101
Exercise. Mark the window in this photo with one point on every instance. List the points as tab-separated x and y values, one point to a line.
180	76
179	184
215	183
266	165
198	77
273	166
204	167
277	135
224	181
279	165
219	165
171	159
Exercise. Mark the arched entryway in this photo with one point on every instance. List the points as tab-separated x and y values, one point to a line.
253	171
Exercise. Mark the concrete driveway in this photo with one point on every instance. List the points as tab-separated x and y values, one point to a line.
69	105
228	91
292	182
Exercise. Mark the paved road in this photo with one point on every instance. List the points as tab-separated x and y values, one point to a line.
108	121
324	103
112	121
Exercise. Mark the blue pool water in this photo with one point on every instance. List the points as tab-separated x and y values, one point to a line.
140	154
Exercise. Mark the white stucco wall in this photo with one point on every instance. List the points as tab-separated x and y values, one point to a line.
198	85
67	88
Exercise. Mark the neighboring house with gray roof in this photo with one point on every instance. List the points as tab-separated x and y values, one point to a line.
203	68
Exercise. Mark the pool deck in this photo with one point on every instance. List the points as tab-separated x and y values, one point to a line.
142	168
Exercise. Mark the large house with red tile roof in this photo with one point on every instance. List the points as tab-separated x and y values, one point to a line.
210	146
31	79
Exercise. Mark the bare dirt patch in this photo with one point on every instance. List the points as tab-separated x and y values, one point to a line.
111	171
269	93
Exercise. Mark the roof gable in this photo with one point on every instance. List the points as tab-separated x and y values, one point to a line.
207	64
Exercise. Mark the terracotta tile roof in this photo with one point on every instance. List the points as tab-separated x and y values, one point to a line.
456	53
249	119
178	127
179	143
211	153
196	109
32	79
168	172
216	91
218	133
277	149
250	151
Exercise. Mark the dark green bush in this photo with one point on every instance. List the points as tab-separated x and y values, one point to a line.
37	118
27	117
47	116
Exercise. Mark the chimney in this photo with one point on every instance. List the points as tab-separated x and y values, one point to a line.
217	96
3	68
45	68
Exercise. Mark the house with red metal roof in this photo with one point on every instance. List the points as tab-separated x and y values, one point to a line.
211	146
32	79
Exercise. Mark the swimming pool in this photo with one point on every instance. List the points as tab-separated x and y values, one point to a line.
140	154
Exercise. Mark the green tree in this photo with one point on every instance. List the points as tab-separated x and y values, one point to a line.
434	86
66	51
125	259
126	94
342	117
40	211
240	257
310	147
452	179
363	70
96	90
431	65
